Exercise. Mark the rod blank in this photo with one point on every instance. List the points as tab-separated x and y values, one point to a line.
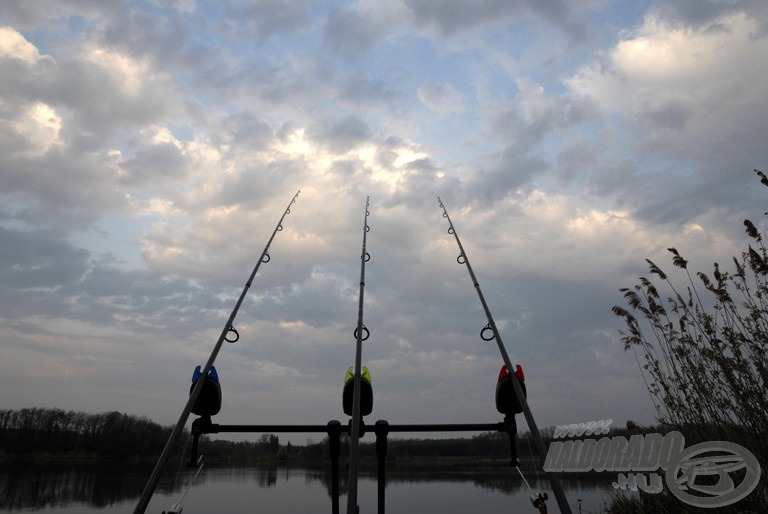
354	436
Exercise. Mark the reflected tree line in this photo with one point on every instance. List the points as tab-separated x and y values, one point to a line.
59	484
481	448
55	457
106	485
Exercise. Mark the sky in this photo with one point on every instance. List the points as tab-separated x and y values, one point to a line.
148	149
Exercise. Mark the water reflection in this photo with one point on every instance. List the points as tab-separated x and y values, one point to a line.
54	486
38	486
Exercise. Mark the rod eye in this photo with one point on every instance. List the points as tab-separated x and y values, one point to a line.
485	337
366	334
266	258
235	335
279	228
367	228
461	259
445	215
366	256
450	230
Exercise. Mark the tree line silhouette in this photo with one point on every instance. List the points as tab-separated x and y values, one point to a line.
34	432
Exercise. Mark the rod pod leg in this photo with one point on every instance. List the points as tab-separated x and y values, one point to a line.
334	446
510	427
199	426
382	430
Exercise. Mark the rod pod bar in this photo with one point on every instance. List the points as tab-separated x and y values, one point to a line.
361	333
154	478
562	501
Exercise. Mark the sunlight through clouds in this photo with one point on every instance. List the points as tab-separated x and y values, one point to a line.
40	125
14	45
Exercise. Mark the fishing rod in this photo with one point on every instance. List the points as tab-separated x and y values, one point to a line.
356	415
562	501
229	328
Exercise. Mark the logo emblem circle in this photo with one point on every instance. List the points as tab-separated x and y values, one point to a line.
737	457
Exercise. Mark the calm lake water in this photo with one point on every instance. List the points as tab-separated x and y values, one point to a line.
58	489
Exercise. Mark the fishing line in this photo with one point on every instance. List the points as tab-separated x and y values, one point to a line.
191	483
524	480
181	461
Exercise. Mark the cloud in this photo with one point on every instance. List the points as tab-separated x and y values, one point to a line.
39	259
61	116
704	15
23	14
343	134
267	18
355	28
686	94
524	125
154	163
442	98
683	84
464	15
14	46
